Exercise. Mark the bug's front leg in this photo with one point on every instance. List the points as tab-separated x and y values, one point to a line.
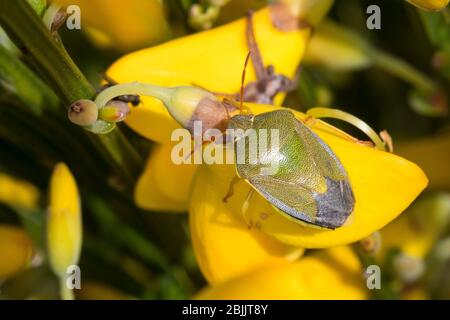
230	193
244	209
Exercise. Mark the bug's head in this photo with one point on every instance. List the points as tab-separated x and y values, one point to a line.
241	121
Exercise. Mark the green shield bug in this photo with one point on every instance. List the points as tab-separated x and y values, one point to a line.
309	186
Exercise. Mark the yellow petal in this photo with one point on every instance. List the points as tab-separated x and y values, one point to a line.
384	185
430	4
212	59
16	250
416	293
122	25
64	227
416	231
223	244
427	153
14	192
164	186
334	274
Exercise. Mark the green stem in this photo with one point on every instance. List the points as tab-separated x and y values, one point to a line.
404	71
25	84
49	56
64	291
134	88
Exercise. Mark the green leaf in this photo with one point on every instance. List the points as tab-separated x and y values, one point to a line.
18	80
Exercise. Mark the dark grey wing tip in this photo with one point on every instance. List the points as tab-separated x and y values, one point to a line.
335	205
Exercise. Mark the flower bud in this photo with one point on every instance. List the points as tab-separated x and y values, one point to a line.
371	244
83	112
190	104
430	4
64	231
408	268
16	250
18	193
114	111
203	19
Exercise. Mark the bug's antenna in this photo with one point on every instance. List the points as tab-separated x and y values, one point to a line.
241	105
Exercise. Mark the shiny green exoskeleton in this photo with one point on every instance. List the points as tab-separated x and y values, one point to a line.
310	185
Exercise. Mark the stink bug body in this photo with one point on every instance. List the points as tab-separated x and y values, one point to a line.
310	185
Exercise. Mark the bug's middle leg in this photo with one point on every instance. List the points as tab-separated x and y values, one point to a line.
244	209
230	193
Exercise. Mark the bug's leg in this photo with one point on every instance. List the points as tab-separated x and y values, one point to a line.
245	206
196	148
255	53
292	84
230	193
235	105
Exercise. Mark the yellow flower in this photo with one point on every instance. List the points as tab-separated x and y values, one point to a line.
64	231
212	59
384	184
427	153
202	59
429	4
14	192
333	274
16	249
123	25
416	231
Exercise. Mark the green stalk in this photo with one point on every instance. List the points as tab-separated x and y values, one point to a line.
404	71
22	82
48	55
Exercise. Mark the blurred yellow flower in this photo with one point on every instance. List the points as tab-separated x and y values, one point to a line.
430	4
416	231
204	59
427	153
384	184
64	233
332	274
123	25
16	249
15	192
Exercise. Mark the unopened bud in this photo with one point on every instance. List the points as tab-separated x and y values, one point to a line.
408	268
190	104
203	19
83	112
114	111
371	244
64	226
58	20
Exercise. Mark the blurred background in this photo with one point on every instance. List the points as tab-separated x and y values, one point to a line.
396	78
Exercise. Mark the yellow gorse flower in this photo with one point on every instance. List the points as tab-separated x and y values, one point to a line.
15	192
64	227
384	184
211	59
123	25
430	4
420	227
16	250
331	274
